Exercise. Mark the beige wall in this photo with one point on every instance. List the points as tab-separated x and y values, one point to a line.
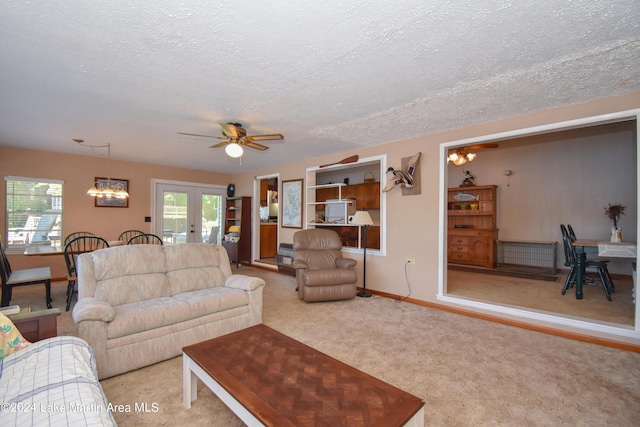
80	214
412	221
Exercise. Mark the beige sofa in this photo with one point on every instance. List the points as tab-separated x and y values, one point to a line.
141	304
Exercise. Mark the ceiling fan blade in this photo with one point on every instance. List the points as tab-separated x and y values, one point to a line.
204	136
230	130
481	146
458	150
255	145
220	144
272	137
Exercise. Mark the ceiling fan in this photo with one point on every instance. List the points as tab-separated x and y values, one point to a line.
461	155
235	136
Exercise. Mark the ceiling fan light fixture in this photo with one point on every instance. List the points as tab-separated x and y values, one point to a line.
459	157
459	161
234	150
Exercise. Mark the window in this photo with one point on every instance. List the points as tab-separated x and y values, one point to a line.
34	212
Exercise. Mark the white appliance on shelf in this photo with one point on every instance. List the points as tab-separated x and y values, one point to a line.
338	211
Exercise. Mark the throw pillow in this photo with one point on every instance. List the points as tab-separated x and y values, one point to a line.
10	337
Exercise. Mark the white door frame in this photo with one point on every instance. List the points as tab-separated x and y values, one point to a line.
592	326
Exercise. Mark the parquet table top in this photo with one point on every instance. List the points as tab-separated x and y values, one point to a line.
284	382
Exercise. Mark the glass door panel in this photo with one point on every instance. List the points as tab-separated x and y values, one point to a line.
174	216
212	214
189	214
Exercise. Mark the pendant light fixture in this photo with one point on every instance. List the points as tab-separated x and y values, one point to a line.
110	189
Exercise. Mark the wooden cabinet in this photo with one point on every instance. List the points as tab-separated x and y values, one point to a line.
349	235
472	246
472	232
264	186
268	240
367	195
238	213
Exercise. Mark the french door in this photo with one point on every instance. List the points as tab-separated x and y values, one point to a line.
188	212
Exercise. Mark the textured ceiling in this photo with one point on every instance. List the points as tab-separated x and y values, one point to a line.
331	76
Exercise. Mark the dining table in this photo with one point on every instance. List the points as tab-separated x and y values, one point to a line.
603	249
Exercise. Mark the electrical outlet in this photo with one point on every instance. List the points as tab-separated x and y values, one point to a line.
411	261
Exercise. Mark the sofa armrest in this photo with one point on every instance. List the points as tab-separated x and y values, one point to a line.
93	309
300	265
346	263
246	283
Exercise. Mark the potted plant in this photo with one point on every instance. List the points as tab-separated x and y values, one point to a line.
614	212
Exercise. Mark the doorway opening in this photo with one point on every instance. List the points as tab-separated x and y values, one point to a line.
567	212
267	208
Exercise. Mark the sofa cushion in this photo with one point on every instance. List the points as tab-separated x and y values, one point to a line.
128	260
195	266
132	273
10	337
331	276
213	300
146	315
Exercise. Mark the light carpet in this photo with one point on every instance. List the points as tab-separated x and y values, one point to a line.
470	372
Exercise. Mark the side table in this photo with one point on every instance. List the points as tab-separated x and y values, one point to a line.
37	325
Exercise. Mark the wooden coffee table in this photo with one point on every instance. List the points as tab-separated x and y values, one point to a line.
267	378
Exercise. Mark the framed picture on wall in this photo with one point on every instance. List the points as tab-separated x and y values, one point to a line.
292	203
116	184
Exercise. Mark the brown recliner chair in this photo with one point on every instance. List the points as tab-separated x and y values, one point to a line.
322	274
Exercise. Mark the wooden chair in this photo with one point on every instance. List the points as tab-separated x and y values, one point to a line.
30	276
128	234
145	239
72	249
72	236
571	261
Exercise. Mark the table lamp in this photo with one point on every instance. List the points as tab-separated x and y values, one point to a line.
364	219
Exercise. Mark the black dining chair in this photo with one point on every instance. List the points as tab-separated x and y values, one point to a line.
73	235
125	236
572	236
72	249
571	261
145	239
30	276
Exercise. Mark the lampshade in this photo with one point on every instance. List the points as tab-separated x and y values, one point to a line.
361	218
93	191
233	150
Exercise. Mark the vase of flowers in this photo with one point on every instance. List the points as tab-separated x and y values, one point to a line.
614	212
